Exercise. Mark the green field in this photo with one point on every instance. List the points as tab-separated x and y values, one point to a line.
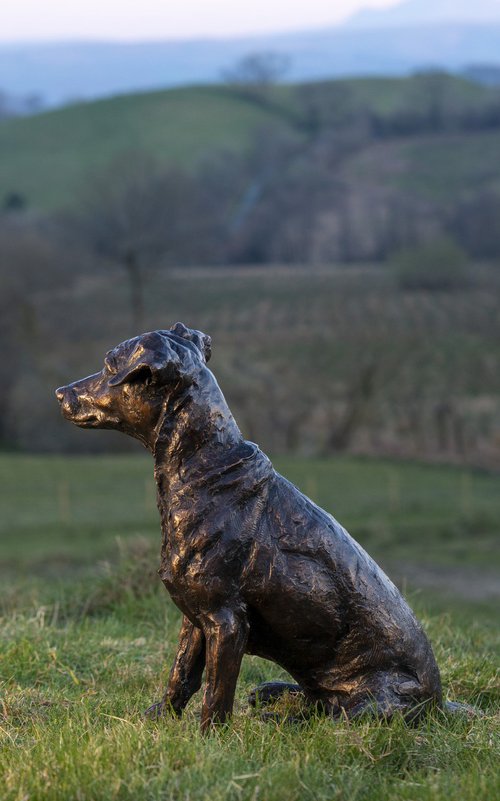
87	632
53	155
50	158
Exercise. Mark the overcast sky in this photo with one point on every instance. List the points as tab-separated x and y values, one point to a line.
22	20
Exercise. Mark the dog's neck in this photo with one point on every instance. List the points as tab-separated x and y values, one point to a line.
196	431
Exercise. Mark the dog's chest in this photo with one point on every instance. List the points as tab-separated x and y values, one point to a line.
193	570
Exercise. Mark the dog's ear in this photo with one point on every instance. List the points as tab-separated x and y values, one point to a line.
202	341
158	358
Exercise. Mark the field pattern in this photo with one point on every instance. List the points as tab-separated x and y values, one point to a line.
310	360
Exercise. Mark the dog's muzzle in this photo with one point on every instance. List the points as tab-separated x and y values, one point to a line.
77	409
68	401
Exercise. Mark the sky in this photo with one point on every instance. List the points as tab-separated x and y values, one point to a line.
122	20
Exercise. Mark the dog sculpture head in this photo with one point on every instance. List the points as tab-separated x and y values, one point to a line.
128	394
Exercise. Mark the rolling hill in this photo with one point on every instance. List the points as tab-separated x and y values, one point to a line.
49	158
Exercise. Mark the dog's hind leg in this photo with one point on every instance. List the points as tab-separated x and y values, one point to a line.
185	675
383	694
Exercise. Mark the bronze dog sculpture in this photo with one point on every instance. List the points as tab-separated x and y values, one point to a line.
252	563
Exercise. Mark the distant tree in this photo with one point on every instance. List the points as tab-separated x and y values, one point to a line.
14	202
139	214
359	399
326	106
258	69
439	265
239	193
434	88
31	264
255	73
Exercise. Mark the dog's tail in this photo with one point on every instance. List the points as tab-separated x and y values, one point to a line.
457	708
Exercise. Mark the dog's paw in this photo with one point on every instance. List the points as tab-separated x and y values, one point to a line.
456	708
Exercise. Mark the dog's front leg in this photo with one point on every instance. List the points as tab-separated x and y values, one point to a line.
185	675
226	634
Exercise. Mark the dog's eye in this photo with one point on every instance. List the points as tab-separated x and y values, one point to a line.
143	375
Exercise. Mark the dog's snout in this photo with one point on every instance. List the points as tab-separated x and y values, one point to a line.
67	400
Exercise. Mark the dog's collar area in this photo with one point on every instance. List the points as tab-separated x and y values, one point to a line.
246	464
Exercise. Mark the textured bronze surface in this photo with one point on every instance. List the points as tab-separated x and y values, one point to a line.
253	564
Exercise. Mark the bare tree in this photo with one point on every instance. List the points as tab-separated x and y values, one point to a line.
138	214
31	264
258	69
255	73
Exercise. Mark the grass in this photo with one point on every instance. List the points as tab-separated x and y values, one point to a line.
85	643
78	507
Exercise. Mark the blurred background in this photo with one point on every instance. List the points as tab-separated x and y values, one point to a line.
315	185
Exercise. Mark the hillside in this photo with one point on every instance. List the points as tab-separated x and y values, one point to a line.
50	157
433	168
